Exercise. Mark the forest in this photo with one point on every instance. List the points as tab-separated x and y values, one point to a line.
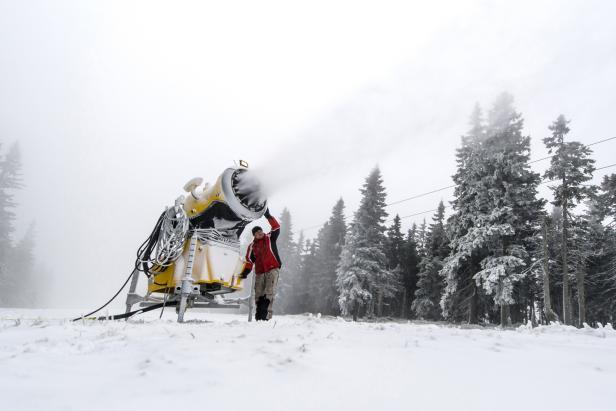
16	255
496	254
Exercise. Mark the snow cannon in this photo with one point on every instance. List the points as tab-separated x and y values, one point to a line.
232	202
193	255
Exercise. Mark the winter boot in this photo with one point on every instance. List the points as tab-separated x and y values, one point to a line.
261	311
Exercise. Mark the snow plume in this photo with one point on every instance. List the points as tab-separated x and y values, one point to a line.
351	136
249	188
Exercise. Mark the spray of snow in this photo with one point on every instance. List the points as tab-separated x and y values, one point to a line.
249	186
347	139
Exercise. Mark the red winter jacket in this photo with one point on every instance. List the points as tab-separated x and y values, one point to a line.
263	254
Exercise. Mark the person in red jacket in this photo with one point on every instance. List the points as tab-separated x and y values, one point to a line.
262	254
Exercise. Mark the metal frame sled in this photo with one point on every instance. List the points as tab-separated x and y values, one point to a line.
208	268
193	256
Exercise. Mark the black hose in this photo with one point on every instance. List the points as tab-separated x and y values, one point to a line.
145	250
110	300
144	253
139	311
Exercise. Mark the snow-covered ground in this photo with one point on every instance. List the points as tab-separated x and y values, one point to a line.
298	363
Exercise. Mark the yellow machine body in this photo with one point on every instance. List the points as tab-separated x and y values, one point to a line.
223	205
216	269
195	206
222	210
194	254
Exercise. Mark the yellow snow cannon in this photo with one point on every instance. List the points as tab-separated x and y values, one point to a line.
193	254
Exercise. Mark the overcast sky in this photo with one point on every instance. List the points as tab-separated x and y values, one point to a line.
117	104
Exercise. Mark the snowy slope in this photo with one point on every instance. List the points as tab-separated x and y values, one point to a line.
298	363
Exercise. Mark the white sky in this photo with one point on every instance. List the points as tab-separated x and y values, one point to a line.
117	104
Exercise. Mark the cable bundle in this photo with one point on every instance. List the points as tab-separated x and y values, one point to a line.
166	242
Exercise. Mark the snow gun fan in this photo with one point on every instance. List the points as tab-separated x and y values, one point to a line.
231	203
193	253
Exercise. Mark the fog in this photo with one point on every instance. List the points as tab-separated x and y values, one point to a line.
116	105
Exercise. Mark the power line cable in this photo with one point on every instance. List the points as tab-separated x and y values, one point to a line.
543	182
420	213
594	143
604	167
447	206
453	185
420	195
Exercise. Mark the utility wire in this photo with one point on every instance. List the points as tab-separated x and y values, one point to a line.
604	167
448	206
543	182
416	214
594	143
601	141
420	195
452	186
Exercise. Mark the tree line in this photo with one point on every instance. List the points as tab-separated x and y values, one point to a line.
504	255
16	255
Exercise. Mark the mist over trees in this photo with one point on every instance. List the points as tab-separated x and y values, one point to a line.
497	253
503	255
16	255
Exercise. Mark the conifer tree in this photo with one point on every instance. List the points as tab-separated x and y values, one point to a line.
394	243
606	200
22	293
497	206
570	167
289	273
409	262
548	311
461	297
362	274
331	240
430	283
394	251
601	264
421	234
10	180
305	296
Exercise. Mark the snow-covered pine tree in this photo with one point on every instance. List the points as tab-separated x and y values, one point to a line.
461	297
430	284
289	254
555	261
394	251
410	268
317	279
512	189
585	232
570	167
298	284
549	315
305	295
601	285
10	180
421	233
606	200
501	206
362	273
21	267
331	240
394	242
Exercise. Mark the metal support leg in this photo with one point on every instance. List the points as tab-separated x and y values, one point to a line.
186	287
251	299
132	297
